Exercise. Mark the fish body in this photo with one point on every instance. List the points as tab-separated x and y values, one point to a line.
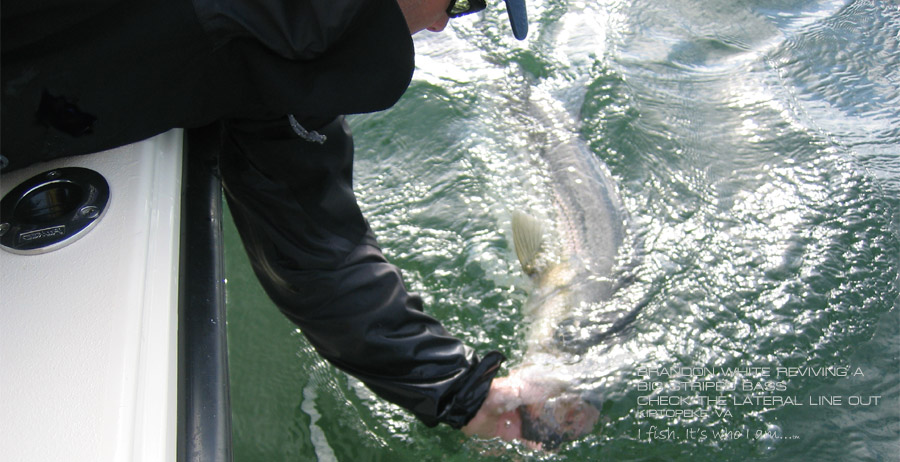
573	258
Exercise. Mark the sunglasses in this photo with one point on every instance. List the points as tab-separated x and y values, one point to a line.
459	8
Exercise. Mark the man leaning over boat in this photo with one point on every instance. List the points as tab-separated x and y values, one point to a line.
276	76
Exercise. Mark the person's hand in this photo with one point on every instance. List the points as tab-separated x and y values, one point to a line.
499	415
550	415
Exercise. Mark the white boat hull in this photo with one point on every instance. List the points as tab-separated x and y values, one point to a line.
88	337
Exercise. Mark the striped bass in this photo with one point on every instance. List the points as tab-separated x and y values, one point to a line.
574	259
573	263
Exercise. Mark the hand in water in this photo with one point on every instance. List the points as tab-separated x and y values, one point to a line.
539	414
499	415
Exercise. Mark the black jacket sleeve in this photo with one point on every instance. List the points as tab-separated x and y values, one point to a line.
316	257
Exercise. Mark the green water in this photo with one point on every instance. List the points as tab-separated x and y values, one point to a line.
756	147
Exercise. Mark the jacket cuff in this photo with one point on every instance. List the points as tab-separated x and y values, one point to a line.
466	403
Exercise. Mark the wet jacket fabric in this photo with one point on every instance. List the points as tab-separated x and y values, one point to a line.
318	260
80	77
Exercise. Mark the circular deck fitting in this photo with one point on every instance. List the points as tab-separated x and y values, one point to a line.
52	210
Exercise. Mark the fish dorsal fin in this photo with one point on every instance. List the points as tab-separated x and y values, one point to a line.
528	234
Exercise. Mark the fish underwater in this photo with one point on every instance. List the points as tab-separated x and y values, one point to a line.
577	257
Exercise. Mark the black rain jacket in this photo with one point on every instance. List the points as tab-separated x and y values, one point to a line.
84	76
